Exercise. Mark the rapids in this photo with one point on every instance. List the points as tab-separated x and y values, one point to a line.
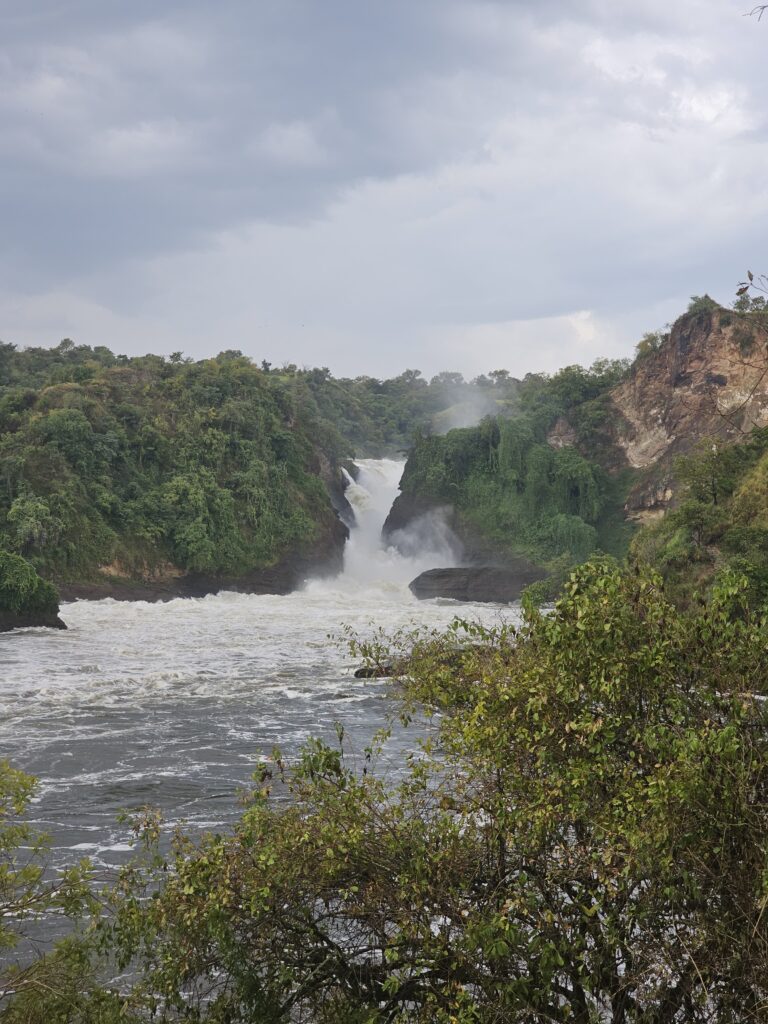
174	704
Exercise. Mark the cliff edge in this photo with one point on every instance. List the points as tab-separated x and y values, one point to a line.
708	378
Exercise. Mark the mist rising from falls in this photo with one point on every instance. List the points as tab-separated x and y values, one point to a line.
428	544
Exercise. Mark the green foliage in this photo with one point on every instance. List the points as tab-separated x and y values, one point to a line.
702	304
31	523
650	342
543	398
720	521
380	417
756	306
751	316
508	485
55	988
22	591
210	466
63	987
26	894
584	837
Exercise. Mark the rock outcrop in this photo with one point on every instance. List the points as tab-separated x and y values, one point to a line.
484	583
708	379
407	508
336	484
24	620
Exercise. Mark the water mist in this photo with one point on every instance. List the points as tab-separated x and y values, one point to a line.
428	543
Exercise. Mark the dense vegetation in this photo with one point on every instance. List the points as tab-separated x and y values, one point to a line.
546	482
198	465
23	593
149	464
584	839
720	522
212	467
513	489
25	891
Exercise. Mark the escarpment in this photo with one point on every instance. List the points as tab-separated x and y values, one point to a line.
707	379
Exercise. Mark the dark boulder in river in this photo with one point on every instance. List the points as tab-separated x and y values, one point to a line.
476	583
383	671
15	620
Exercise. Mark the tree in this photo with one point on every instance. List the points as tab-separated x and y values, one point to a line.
23	593
650	342
701	304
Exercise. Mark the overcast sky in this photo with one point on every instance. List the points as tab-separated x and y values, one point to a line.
377	184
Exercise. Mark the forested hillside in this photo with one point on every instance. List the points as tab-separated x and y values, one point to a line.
674	442
147	468
513	487
720	523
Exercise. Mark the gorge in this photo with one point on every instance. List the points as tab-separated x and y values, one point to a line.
386	803
569	467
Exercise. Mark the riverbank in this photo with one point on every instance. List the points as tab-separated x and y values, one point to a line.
289	574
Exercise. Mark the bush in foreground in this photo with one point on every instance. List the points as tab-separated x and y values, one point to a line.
584	839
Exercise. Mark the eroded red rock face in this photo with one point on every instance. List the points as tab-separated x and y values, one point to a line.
709	379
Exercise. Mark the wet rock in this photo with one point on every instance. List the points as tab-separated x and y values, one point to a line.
383	671
12	620
407	508
336	484
484	583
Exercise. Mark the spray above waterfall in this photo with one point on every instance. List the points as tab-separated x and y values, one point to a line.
368	560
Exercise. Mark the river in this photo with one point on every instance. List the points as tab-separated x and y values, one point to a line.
174	704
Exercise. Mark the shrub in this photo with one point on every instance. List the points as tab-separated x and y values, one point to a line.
22	591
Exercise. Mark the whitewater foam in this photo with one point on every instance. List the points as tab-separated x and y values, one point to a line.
174	704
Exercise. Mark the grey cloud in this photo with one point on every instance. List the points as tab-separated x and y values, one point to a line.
216	113
374	172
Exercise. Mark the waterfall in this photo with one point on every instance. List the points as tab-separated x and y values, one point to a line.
371	497
367	559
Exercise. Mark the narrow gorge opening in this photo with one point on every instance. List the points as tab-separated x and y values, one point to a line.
369	559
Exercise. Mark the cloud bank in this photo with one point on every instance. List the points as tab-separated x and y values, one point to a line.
450	184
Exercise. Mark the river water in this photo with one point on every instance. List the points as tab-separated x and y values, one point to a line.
174	704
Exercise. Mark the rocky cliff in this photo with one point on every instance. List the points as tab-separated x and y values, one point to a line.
707	379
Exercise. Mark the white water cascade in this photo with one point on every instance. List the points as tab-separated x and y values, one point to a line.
368	560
